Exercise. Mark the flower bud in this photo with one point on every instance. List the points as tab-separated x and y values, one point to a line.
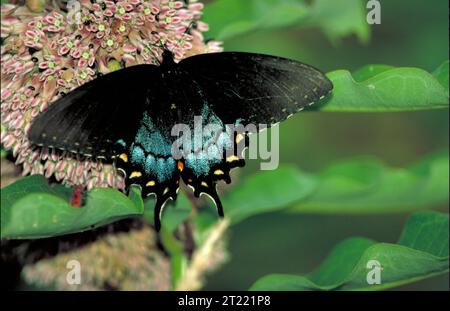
36	6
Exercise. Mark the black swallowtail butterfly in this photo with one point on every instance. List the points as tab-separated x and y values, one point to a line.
127	116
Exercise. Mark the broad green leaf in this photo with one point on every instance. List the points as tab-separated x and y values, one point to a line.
435	227
348	265
340	262
175	214
338	18
229	18
23	187
369	71
267	191
378	88
357	186
441	74
31	209
368	186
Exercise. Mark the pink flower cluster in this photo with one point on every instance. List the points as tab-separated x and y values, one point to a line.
46	55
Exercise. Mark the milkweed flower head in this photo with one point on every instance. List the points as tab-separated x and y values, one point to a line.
46	55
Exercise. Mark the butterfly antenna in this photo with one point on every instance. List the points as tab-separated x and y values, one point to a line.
191	26
161	43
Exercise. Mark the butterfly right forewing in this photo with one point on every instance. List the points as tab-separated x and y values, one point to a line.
256	88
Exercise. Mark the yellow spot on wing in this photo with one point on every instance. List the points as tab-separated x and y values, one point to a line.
165	191
232	158
124	157
239	137
218	172
204	184
135	174
151	183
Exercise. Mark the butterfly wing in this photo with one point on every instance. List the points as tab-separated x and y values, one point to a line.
255	88
245	88
125	116
129	115
90	119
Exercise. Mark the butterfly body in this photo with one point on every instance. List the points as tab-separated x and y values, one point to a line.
128	117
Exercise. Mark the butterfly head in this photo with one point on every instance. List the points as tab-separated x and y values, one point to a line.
167	58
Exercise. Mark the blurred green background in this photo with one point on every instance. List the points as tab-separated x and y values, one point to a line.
412	33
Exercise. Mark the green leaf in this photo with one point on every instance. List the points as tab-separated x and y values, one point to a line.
377	88
369	71
339	18
442	75
174	213
368	186
357	186
30	209
435	227
230	18
422	252
267	191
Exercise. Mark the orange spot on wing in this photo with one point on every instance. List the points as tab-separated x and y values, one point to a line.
180	166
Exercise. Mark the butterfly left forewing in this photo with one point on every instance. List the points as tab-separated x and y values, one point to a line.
110	118
92	118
